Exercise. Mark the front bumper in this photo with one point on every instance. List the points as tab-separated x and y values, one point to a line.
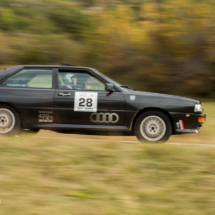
187	123
187	131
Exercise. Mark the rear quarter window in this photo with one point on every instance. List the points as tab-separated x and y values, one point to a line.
30	78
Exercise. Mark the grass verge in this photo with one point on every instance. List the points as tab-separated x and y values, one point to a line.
44	176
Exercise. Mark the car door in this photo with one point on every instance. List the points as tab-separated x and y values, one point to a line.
86	102
31	92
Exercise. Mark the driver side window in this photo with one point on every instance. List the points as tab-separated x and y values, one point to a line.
79	81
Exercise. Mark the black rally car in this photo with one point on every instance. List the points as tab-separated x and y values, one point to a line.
70	98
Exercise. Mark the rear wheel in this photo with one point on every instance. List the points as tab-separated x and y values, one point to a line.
10	123
153	126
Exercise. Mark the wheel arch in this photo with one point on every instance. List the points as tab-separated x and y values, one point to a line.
4	103
151	109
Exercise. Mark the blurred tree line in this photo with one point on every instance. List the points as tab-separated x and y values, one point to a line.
163	46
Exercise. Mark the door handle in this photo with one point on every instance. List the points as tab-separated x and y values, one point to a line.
64	94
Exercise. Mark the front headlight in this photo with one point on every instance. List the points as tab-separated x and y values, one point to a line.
198	108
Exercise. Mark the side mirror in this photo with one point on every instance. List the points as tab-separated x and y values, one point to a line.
109	87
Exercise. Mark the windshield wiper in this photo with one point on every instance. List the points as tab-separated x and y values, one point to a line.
127	87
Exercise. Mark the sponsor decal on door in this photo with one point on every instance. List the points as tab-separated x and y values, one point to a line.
44	116
86	101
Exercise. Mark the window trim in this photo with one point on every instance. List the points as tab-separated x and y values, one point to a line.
29	68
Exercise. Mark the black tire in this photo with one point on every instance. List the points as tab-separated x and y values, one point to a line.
153	127
6	111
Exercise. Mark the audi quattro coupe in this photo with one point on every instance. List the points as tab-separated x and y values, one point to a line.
79	99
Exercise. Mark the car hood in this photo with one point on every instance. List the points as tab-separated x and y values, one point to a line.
160	95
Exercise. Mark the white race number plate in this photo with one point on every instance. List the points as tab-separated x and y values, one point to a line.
86	101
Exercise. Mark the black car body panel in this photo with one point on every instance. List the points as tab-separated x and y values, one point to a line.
175	106
34	105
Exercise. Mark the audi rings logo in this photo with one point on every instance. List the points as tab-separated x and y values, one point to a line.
104	117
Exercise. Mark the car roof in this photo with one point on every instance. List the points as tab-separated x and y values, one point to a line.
43	66
6	72
53	66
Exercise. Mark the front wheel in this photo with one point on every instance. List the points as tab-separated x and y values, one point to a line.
153	126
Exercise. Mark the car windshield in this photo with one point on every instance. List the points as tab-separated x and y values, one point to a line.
123	87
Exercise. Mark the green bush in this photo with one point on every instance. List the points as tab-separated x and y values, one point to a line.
7	19
71	20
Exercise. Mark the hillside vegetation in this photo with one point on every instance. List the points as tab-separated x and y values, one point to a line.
161	45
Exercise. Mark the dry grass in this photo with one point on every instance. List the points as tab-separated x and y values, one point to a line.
44	176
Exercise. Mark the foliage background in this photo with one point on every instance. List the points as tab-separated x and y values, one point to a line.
165	46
